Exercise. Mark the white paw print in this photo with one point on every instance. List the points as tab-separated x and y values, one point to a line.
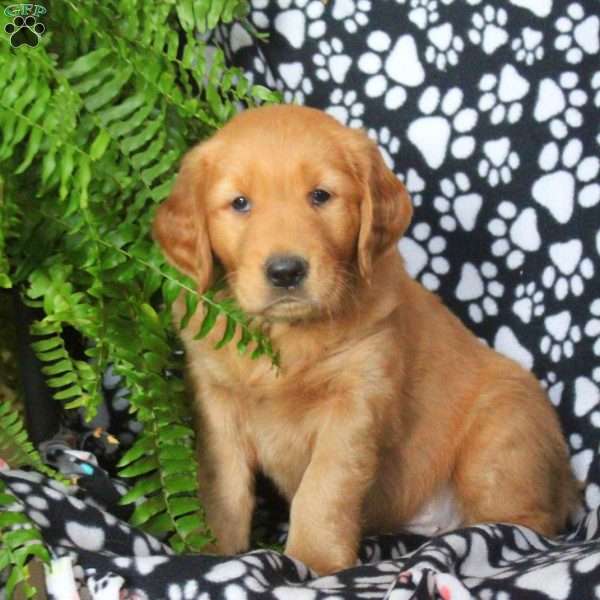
569	270
331	61
499	161
592	328
488	28
415	186
353	13
554	387
423	12
529	302
390	68
345	108
443	127
561	337
444	47
569	177
559	103
515	233
478	287
260	66
502	95
457	204
388	144
595	83
293	82
577	34
529	48
422	253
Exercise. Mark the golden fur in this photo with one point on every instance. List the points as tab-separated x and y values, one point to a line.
384	398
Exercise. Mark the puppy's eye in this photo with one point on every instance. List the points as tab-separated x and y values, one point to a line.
241	204
319	197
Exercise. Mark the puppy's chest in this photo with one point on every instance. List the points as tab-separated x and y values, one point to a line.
281	426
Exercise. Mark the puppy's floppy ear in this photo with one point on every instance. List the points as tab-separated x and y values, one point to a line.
180	222
386	209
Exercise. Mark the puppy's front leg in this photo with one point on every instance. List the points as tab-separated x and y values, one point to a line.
325	518
225	475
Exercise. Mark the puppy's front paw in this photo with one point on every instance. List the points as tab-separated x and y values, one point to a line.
323	560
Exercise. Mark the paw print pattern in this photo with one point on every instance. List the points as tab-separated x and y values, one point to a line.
444	47
388	144
443	127
331	61
423	13
577	34
595	84
561	336
415	186
345	108
423	253
479	288
528	47
389	72
515	233
592	329
569	177
529	302
558	102
499	161
293	83
24	31
569	270
488	28
457	204
502	95
353	13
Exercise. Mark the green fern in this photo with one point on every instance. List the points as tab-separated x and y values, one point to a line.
93	124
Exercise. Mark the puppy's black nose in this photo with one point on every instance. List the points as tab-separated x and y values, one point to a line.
286	270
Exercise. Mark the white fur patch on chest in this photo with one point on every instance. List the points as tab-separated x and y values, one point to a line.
439	515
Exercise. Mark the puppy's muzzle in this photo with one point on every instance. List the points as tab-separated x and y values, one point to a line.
286	271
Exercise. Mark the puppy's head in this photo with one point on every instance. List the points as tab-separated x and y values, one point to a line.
295	206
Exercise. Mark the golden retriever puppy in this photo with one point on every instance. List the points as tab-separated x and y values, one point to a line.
387	413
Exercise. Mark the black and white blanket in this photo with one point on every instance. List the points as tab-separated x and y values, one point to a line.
99	556
490	113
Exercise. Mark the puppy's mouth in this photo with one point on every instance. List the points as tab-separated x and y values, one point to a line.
289	308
